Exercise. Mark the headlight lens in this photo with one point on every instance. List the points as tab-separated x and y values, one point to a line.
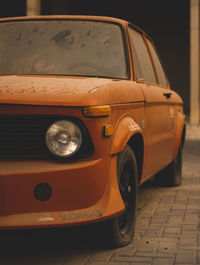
63	138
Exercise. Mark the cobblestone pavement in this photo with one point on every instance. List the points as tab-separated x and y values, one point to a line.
167	229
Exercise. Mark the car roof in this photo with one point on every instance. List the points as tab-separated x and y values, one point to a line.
122	22
63	17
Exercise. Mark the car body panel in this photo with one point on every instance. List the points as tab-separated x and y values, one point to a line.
160	126
66	91
65	201
64	208
124	130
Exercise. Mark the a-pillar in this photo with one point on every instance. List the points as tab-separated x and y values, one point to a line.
194	62
32	7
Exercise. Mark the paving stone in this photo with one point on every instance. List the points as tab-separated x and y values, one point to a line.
147	211
198	257
107	263
143	221
162	211
162	261
139	231
189	234
136	263
193	218
126	251
169	246
141	259
188	243
175	219
155	254
100	256
152	233
159	220
146	249
178	206
185	257
155	226
193	207
196	180
176	212
170	235
190	227
171	230
181	199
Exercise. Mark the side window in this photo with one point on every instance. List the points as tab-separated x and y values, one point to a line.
161	76
143	66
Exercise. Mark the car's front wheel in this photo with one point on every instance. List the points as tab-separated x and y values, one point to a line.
119	231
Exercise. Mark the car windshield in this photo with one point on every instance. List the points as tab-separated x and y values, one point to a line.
61	47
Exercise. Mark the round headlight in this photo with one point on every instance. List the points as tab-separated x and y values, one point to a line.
63	138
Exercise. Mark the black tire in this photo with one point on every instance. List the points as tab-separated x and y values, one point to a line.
171	176
119	231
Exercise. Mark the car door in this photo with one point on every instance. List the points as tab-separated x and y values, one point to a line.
157	110
168	107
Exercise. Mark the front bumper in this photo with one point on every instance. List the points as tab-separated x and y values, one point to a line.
82	192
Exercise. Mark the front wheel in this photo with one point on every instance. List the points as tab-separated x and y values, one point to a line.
119	231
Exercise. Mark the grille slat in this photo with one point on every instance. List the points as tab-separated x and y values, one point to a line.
23	137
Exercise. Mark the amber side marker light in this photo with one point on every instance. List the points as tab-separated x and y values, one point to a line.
108	130
97	111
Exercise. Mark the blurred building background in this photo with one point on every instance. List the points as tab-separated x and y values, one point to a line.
168	22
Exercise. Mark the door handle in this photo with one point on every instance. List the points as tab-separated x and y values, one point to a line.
167	95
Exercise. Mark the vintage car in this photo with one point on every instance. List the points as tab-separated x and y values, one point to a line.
87	115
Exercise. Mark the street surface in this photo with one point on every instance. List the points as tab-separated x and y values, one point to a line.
167	229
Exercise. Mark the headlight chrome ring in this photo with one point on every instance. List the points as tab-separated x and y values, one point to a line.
63	138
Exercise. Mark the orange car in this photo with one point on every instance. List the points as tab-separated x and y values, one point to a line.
87	115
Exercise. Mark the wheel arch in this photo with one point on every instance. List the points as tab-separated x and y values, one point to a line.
183	135
180	132
128	132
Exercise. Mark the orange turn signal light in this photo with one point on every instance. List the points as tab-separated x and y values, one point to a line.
97	111
108	130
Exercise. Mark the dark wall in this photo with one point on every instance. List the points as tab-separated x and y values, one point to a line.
11	8
59	7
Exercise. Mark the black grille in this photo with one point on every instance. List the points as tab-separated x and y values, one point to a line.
23	137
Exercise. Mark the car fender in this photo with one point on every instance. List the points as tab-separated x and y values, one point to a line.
179	131
124	130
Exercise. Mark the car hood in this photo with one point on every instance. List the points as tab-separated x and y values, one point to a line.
62	91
